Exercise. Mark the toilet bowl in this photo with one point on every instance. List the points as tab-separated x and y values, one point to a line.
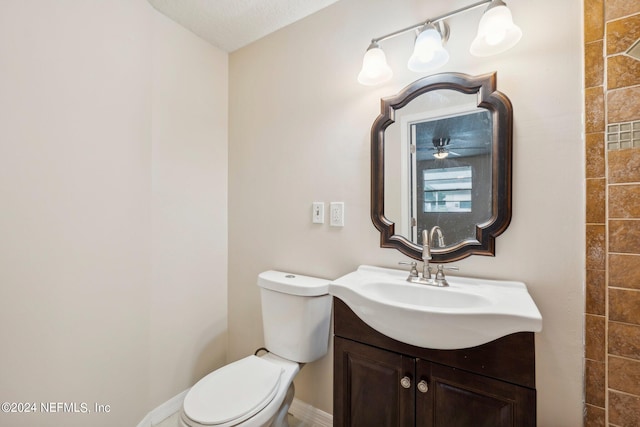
249	392
257	391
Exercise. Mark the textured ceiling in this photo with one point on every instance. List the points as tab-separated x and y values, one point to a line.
232	24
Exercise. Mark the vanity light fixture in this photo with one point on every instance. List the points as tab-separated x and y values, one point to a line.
496	33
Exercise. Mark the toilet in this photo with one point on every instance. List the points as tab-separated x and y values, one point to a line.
257	391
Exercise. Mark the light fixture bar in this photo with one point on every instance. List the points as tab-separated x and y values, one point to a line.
432	20
496	34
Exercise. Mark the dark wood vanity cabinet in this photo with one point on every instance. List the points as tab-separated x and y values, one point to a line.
380	382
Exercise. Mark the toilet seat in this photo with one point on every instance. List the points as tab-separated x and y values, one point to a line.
233	393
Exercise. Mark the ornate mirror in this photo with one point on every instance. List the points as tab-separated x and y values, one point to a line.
441	156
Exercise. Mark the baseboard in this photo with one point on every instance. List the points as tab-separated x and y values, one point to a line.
163	411
310	415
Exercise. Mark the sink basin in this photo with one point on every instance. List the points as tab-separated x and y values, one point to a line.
415	295
468	313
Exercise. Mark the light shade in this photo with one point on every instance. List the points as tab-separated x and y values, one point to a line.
375	69
442	153
496	31
428	52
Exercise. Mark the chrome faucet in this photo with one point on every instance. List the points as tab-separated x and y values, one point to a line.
437	230
427	243
426	255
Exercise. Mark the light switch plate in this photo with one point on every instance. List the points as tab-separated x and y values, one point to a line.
317	216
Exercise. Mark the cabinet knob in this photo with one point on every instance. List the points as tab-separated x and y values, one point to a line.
423	387
405	382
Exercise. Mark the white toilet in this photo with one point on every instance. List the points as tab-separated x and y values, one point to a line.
257	391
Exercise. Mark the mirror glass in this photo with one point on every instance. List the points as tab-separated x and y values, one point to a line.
441	156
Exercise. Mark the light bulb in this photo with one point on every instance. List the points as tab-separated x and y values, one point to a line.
495	37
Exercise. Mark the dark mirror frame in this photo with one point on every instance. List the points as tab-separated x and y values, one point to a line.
502	115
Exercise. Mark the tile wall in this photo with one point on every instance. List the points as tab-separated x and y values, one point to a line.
612	165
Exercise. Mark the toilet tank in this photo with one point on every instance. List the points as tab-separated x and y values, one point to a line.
296	314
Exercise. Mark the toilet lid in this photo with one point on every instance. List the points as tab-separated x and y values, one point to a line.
234	392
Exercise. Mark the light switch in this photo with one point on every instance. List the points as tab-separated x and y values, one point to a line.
317	217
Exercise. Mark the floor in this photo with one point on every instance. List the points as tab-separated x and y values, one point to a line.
172	421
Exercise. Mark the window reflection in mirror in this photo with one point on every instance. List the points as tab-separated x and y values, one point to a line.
446	189
450	178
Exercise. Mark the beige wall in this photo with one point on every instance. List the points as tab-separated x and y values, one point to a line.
113	208
299	132
189	209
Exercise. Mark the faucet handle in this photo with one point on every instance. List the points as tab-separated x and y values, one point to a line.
441	268
440	279
413	273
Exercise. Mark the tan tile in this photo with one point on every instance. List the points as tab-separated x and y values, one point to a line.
596	201
596	292
593	20
593	64
595	387
624	409
615	9
622	71
594	416
594	337
623	105
596	251
624	166
594	109
624	271
624	340
624	305
624	201
622	34
624	375
624	236
594	155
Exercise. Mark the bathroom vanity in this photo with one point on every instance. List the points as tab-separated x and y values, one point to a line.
381	382
418	351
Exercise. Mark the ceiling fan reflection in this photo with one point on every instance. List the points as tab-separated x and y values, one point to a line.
440	145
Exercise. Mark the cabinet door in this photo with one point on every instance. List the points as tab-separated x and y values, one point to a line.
458	398
367	386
